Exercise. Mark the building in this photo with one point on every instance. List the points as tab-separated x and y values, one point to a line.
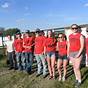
67	30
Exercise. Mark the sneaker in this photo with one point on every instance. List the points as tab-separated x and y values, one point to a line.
63	78
86	65
53	77
59	78
44	76
77	85
10	68
50	77
76	81
15	68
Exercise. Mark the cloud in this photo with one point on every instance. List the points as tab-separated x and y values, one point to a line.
86	5
21	21
5	5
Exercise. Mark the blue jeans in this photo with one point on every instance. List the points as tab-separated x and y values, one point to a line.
28	57
11	58
19	60
41	62
23	61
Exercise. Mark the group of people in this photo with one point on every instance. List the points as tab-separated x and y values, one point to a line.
44	49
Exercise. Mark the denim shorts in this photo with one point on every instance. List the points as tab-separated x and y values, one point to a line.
49	54
64	57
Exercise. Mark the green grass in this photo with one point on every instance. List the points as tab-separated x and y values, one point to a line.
17	79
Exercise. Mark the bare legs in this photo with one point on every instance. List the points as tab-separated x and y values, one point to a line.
51	65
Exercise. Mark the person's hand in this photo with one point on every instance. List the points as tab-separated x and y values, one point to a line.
29	47
77	56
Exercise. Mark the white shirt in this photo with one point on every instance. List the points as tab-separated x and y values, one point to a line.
9	45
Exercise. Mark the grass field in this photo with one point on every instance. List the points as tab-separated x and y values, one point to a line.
17	79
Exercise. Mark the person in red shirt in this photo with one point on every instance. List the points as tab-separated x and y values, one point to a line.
28	44
49	49
75	50
62	55
18	46
39	54
86	41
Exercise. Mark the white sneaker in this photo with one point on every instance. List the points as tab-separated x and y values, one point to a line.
59	78
86	65
63	79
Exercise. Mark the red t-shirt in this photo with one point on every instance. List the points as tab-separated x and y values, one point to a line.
62	46
39	44
28	42
74	42
86	46
50	44
18	44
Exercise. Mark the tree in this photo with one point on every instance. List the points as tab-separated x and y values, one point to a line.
11	31
2	31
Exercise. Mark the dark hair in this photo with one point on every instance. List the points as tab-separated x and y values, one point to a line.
51	32
10	36
78	28
75	25
52	35
18	33
27	31
37	30
64	36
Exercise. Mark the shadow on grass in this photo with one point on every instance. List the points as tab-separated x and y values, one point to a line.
85	76
69	72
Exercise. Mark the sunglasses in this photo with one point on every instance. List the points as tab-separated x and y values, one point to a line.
74	28
60	37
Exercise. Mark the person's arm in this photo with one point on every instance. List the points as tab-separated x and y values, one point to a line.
57	49
82	46
68	47
14	45
5	49
44	44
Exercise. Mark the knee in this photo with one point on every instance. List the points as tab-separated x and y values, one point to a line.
76	68
58	67
53	66
64	66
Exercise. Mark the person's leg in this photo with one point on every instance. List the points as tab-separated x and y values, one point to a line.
43	63
77	68
38	63
12	60
20	61
65	61
59	63
10	57
49	65
17	59
73	64
30	61
26	58
53	64
23	61
86	61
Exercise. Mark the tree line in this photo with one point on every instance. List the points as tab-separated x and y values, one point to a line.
11	31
